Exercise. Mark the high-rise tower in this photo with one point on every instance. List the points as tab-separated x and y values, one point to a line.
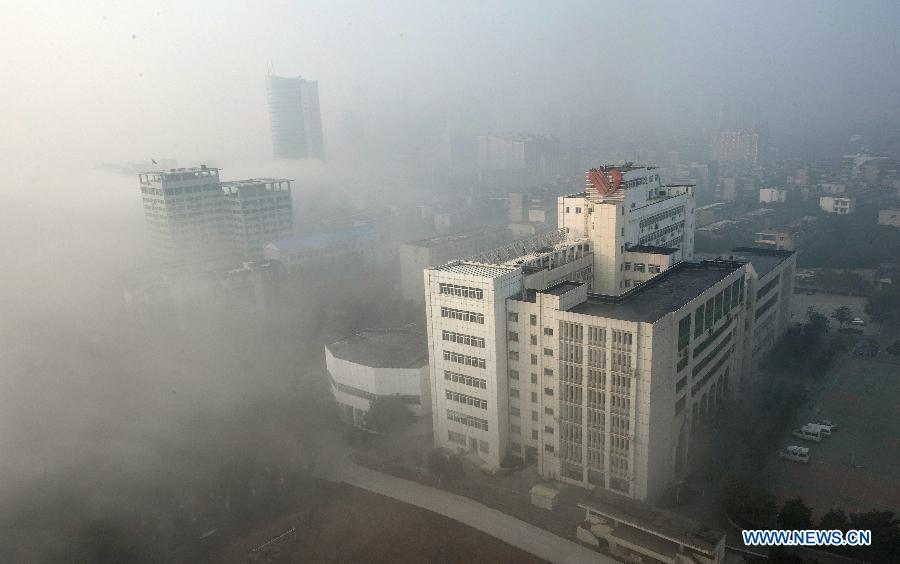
295	117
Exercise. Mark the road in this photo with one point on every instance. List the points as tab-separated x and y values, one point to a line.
337	466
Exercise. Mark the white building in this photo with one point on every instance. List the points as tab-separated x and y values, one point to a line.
603	387
419	255
295	117
192	215
772	195
378	362
889	217
836	205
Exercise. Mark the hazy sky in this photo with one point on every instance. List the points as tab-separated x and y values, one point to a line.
101	80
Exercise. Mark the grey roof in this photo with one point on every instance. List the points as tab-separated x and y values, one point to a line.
383	348
763	260
562	288
657	521
661	295
476	269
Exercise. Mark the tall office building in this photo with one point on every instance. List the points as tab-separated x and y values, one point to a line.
192	215
596	356
735	145
295	117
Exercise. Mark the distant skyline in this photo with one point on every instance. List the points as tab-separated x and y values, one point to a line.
102	80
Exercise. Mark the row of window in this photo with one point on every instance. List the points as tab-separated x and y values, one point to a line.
463	339
467	420
640	267
465	359
462	291
661	233
465	399
657	217
462	315
463	379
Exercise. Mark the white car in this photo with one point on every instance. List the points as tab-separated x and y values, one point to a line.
832	426
823	430
795	454
857	321
808	433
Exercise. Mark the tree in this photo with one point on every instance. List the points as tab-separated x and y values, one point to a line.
750	504
885	535
842	315
835	519
795	515
884	305
445	465
817	320
387	414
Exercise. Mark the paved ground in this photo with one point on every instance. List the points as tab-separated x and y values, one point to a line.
858	468
826	304
337	466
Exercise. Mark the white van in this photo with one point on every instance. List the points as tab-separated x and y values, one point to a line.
808	433
824	430
795	454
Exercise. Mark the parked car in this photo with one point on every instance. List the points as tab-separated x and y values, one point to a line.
824	430
795	454
832	426
808	433
857	321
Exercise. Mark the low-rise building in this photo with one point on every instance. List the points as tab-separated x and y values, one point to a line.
837	205
356	245
772	195
378	362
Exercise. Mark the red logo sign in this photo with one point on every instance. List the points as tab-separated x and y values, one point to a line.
605	182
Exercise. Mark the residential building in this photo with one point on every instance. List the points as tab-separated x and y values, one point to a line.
836	205
378	363
192	215
772	195
889	217
597	371
295	118
780	239
257	211
735	145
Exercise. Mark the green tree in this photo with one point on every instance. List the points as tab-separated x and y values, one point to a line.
795	514
387	414
835	519
750	504
842	315
884	305
885	535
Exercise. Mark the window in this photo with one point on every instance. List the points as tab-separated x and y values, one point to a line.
534	415
653	268
534	359
464	359
548	448
548	372
515	429
534	340
512	316
462	315
514	411
532	319
534	398
467	420
513	393
533	378
463	339
513	374
548	411
465	399
548	331
639	267
627	283
698	321
684	332
484	446
534	434
627	266
461	291
513	337
548	391
548	429
514	355
548	352
456	438
463	379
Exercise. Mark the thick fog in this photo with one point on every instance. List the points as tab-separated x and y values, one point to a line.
101	409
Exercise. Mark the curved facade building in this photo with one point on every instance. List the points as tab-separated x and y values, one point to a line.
295	117
378	362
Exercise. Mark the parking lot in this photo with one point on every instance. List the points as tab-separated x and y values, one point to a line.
858	467
826	304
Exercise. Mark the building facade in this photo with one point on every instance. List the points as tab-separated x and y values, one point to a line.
378	363
735	145
597	356
295	118
192	215
836	205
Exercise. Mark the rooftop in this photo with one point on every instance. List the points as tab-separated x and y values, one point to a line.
561	288
459	237
325	239
383	348
663	294
658	522
476	269
763	260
